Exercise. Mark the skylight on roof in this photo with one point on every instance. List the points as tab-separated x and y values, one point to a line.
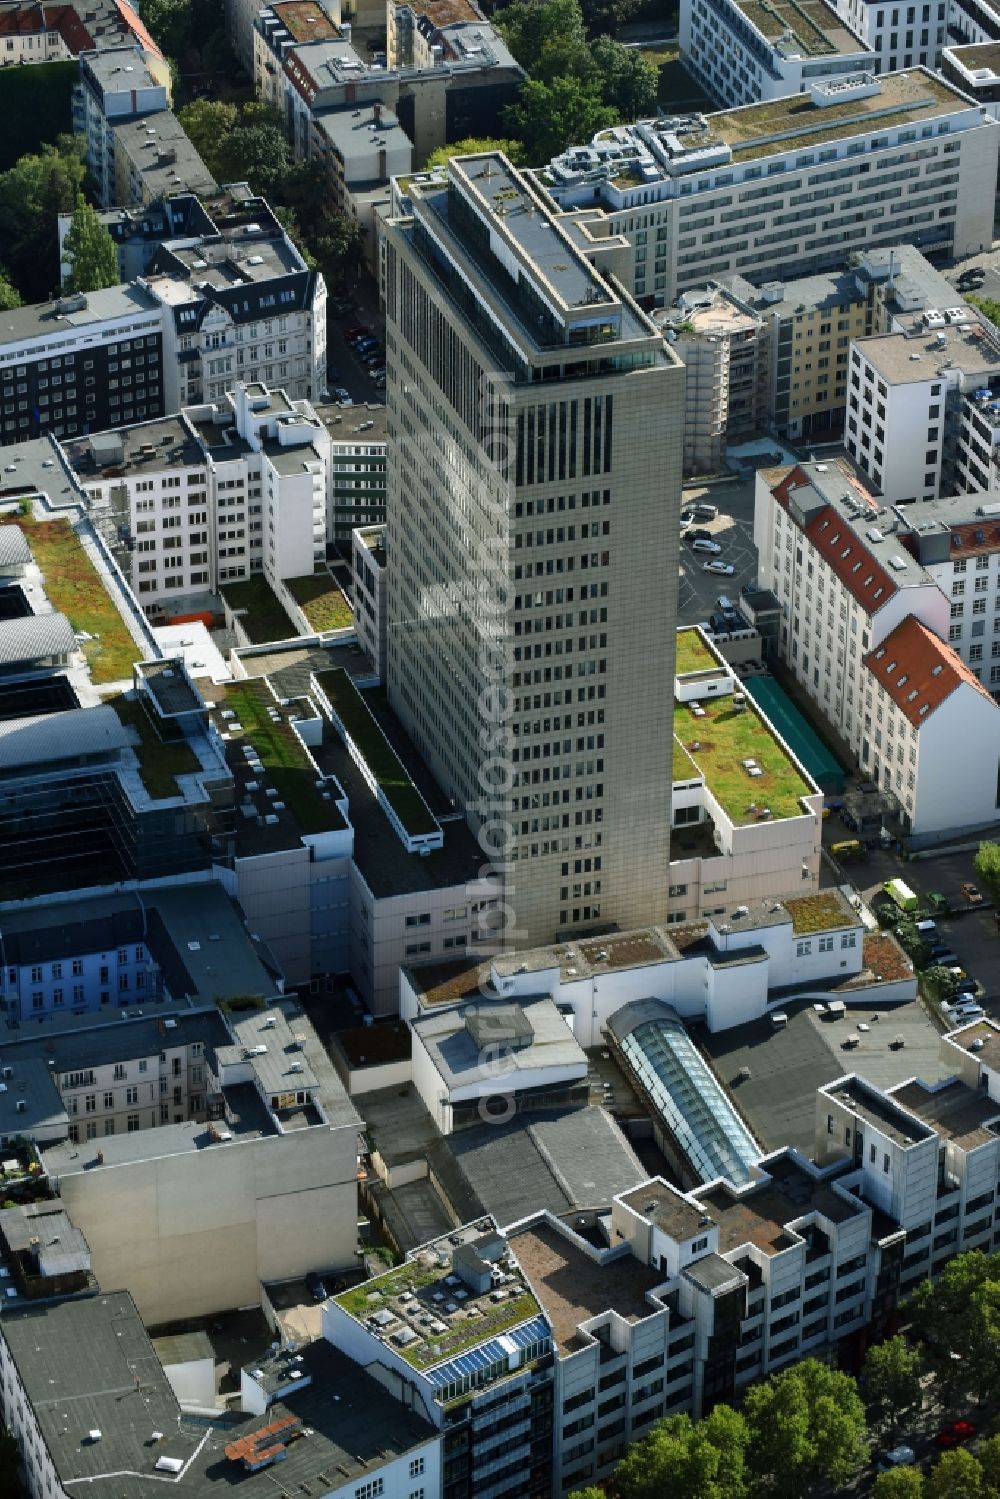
903	680
937	670
924	708
911	695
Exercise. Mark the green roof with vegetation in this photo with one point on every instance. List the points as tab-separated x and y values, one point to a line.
288	766
496	1317
321	600
718	744
684	767
821	912
693	654
160	761
265	618
380	757
75	587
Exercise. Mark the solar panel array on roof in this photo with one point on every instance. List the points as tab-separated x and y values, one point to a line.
494	1351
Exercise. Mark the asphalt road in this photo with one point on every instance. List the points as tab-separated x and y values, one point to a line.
352	374
733	530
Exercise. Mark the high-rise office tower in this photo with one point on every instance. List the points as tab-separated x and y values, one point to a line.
535	434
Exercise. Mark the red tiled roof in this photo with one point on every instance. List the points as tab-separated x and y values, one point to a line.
132	20
846	555
918	670
975	537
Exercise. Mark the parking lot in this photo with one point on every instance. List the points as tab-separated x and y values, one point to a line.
351	372
971	933
733	530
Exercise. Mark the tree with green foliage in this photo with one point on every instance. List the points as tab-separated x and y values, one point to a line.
607	17
900	1483
890	1383
257	154
805	1425
955	1475
988	860
549	117
549	41
988	306
687	1460
940	983
911	941
988	1457
958	1315
33	193
206	124
476	146
590	1492
89	250
9	295
629	81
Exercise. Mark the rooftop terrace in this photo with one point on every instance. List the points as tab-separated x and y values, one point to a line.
572	1287
720	740
249	714
956	1111
321	600
75	587
160	761
261	614
693	653
824	911
421	1311
760	1216
811	27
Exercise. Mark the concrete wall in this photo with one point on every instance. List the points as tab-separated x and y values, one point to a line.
267	1209
957	764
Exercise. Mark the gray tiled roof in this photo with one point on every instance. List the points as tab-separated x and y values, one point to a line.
34	636
60	736
14	550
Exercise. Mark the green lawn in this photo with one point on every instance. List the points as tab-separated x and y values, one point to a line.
288	767
160	763
380	757
693	654
726	738
74	586
677	87
321	600
265	619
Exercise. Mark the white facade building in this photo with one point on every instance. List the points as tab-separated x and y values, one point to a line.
908	160
900	35
744	53
903	388
720	972
211	496
957	541
116	83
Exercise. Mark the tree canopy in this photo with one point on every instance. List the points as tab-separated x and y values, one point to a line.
805	1424
475	146
89	250
687	1460
988	857
32	195
575	88
890	1383
958	1315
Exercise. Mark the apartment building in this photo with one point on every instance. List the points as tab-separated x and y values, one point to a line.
368	577
64	364
33	32
906	399
864	635
138	232
743	54
586	807
940	725
333	1429
957	541
907	160
153	157
210	496
487	1388
975	69
445	76
902	36
725	346
237	302
358	468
